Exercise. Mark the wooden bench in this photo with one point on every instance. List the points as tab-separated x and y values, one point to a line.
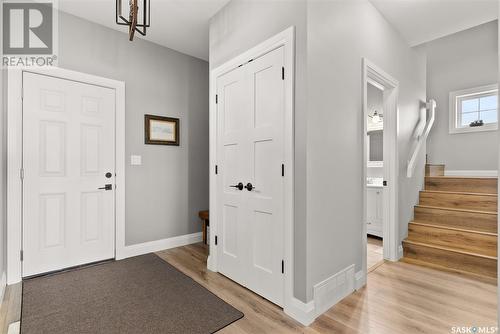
205	221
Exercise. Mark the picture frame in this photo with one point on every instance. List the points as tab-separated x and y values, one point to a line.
161	130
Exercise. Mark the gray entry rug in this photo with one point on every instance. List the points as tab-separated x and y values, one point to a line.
143	294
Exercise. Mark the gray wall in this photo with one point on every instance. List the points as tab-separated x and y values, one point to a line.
164	195
340	34
3	173
242	24
463	60
376	145
3	164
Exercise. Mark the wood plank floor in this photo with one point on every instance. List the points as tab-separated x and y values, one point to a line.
399	298
374	252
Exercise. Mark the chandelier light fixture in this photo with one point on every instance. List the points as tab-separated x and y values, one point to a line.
136	15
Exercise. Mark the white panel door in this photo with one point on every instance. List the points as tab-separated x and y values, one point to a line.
251	151
68	148
232	122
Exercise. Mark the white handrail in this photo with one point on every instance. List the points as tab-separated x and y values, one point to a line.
421	136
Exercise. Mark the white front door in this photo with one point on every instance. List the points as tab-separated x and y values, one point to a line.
68	155
250	151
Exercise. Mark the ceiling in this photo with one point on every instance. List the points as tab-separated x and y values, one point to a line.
421	21
181	25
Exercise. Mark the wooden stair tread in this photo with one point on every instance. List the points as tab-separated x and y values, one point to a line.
456	209
483	185
424	223
487	279
467	219
458	193
463	177
449	249
434	170
462	200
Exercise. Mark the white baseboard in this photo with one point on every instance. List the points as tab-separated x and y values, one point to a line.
333	289
400	252
300	311
158	245
210	264
472	173
14	328
326	294
359	280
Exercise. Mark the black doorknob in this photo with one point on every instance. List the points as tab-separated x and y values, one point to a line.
107	187
239	186
249	186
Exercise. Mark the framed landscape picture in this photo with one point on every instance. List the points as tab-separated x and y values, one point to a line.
160	130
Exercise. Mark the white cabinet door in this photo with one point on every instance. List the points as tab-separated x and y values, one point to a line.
374	212
68	147
379	206
250	150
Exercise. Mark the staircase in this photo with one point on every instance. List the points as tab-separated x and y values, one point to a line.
455	225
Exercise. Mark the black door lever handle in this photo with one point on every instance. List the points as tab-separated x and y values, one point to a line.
107	187
239	186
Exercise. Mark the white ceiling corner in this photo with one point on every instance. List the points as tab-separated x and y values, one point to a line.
421	21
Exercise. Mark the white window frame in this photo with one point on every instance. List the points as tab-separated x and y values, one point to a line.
454	116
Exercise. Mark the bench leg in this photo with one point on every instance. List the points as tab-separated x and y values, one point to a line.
205	232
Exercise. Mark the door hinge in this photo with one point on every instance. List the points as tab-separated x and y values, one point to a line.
282	73
216	240
282	169
216	98
384	183
282	266
21	173
22	255
216	169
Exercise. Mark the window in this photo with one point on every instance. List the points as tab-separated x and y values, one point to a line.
474	105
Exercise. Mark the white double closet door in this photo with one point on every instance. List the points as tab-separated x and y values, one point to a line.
250	150
68	155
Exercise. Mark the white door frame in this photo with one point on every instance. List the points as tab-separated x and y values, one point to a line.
284	39
376	76
15	153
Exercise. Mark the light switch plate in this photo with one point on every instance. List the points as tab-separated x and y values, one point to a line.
135	160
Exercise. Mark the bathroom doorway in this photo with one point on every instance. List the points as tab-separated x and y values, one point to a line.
380	168
375	175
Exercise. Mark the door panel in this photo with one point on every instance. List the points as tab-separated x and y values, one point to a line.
89	155
265	202
250	148
52	148
68	147
232	119
91	216
52	220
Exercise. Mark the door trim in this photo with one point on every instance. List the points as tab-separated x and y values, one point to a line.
284	39
376	76
14	159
